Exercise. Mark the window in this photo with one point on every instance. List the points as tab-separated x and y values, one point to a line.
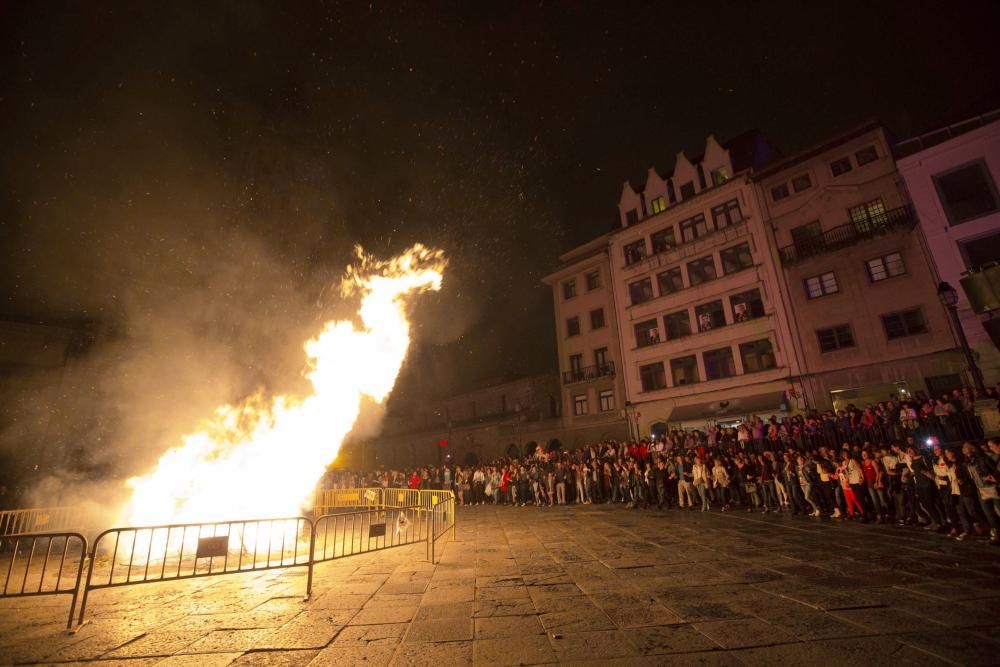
640	291
779	192
684	370
652	376
966	193
866	155
575	364
593	280
841	166
659	205
687	190
869	216
800	183
647	333
670	281
736	258
701	270
727	214
693	228
821	285
580	405
747	305
597	319
807	238
573	327
635	251
710	316
757	356
882	268
904	323
720	176
677	325
601	358
835	338
569	289
607	400
631	217
663	240
980	250
719	363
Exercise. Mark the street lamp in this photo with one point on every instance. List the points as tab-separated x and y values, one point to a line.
949	299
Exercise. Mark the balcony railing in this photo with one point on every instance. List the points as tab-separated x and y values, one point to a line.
588	373
843	236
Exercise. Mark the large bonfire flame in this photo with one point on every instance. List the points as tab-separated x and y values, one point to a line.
262	459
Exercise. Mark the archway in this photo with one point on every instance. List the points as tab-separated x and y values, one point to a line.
554	445
513	452
659	430
530	449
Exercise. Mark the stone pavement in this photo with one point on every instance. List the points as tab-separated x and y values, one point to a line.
574	585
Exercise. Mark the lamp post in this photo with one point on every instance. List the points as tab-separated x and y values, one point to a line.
949	299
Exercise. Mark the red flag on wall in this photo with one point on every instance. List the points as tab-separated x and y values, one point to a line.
443	443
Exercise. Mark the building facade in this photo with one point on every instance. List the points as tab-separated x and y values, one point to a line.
860	291
697	294
587	338
951	175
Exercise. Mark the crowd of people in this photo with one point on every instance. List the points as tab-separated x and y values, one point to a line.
895	476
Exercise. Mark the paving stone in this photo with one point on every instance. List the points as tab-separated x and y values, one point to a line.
670	639
228	640
492	608
162	643
581	619
533	650
337	655
508	626
274	659
434	654
604	644
441	630
384	615
743	633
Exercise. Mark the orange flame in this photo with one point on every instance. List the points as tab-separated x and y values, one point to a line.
262	459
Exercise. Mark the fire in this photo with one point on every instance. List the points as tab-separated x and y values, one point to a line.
262	458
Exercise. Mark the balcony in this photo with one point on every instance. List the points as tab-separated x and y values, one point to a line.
843	236
589	373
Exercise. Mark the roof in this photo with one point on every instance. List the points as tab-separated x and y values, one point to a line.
816	149
916	144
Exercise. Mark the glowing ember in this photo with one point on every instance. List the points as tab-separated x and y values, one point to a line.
260	459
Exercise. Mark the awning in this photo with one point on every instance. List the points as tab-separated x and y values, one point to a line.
744	405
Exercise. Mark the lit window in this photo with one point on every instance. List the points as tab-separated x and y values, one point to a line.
866	155
821	285
646	333
869	216
779	192
659	205
607	398
904	323
841	166
885	267
967	193
720	176
801	183
710	316
835	338
569	289
736	258
747	305
580	405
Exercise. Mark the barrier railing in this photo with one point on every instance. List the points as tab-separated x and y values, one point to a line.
40	520
149	554
442	520
328	501
43	564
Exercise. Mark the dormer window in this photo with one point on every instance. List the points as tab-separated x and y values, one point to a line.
631	217
720	176
659	205
779	192
801	183
687	190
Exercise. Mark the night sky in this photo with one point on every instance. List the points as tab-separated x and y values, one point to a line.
196	175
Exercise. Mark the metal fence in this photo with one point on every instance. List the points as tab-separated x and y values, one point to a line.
40	520
329	501
148	554
43	564
442	520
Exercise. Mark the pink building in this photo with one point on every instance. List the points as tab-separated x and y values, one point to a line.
952	175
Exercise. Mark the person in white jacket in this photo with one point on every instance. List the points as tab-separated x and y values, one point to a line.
720	481
699	478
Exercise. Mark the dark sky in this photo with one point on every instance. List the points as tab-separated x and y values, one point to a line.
211	164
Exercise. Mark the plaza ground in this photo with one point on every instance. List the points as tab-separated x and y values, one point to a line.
572	585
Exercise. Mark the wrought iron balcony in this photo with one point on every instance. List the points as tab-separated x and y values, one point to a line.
843	236
589	373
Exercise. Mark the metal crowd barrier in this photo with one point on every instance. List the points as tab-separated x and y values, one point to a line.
150	554
40	520
43	564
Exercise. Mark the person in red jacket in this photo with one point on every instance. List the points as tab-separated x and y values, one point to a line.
414	481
